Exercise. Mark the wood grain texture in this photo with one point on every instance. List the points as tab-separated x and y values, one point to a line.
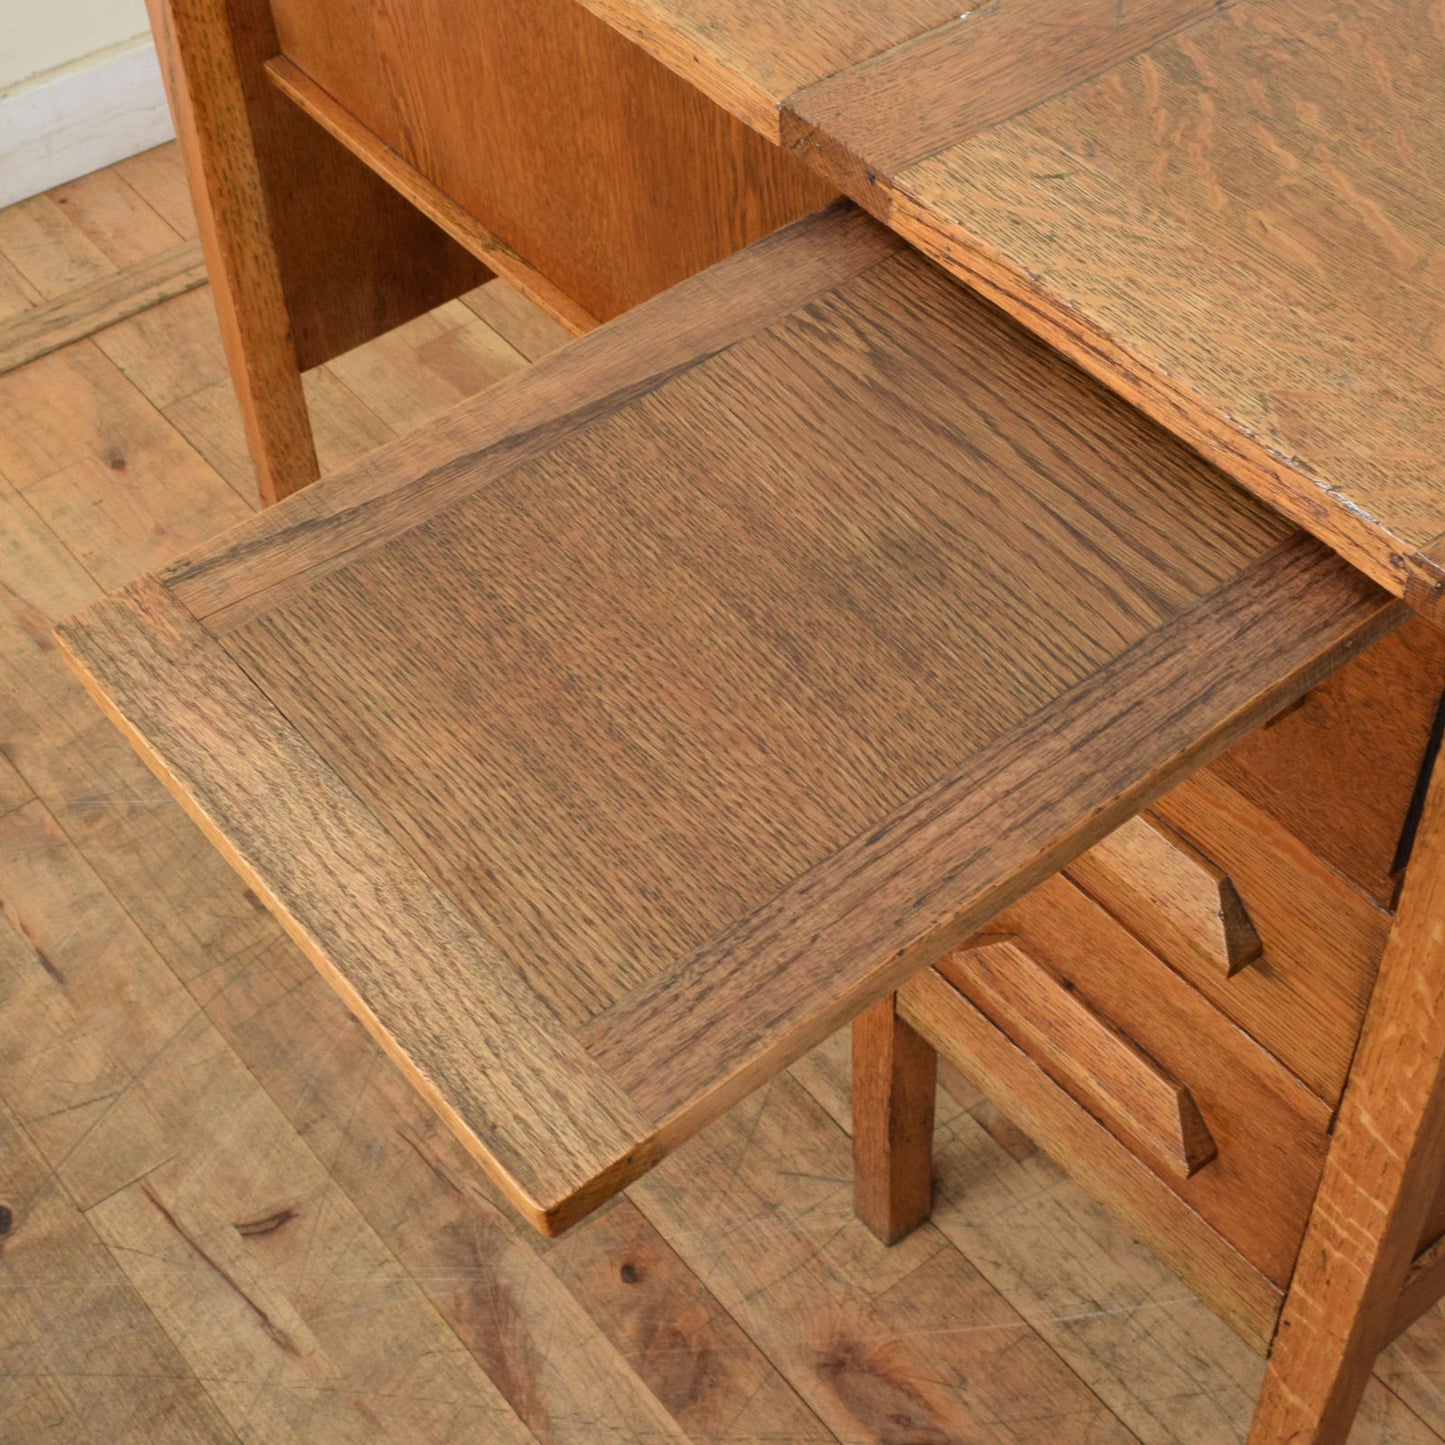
675	712
979	1329
1173	897
897	874
1269	1132
876	1340
206	88
237	577
1305	998
81	313
1093	1157
461	226
894	1081
1380	1178
309	253
1255	266
865	124
750	57
610	175
1339	771
705	1371
58	1275
386	913
353	257
1097	1062
1423	1289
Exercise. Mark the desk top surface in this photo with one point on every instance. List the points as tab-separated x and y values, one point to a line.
622	734
1233	214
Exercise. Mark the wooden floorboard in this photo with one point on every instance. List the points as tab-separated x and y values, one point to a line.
78	314
226	1214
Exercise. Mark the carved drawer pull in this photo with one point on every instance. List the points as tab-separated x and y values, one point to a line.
1103	1069
1170	895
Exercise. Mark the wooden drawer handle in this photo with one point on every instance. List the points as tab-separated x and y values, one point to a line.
1170	895
1103	1069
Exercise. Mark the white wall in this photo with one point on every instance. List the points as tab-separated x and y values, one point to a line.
41	35
79	89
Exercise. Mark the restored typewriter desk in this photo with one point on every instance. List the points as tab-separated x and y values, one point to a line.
813	643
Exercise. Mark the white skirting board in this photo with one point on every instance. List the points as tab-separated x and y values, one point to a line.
71	122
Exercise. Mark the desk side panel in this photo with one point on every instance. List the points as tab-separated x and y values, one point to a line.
608	173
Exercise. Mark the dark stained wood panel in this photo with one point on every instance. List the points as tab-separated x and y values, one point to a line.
701	719
610	175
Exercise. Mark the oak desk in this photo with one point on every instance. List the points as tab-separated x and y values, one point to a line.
1227	1016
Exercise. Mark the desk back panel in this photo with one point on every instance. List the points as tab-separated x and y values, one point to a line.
614	178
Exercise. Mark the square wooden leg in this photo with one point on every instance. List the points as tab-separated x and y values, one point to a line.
894	1076
1380	1178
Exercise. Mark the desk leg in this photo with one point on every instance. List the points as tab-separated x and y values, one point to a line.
894	1076
1380	1178
208	103
309	252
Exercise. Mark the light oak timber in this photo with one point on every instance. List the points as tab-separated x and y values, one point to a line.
693	1014
869	1336
236	577
866	124
81	313
1339	770
1424	1285
517	321
159	177
465	229
389	1155
1097	1062
45	255
612	176
585	1136
749	58
74	1324
352	257
1380	1178
670	721
1080	1287
694	1357
893	1097
301	272
1270	1133
1248	268
208	103
1171	895
1305	998
1151	1211
116	218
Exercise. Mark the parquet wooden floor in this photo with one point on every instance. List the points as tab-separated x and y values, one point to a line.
224	1214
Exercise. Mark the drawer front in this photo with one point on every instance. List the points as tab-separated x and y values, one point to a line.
1280	942
1147	1207
1213	1115
1322	938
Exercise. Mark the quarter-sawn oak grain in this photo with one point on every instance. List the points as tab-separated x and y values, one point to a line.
1042	1012
1237	229
628	768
